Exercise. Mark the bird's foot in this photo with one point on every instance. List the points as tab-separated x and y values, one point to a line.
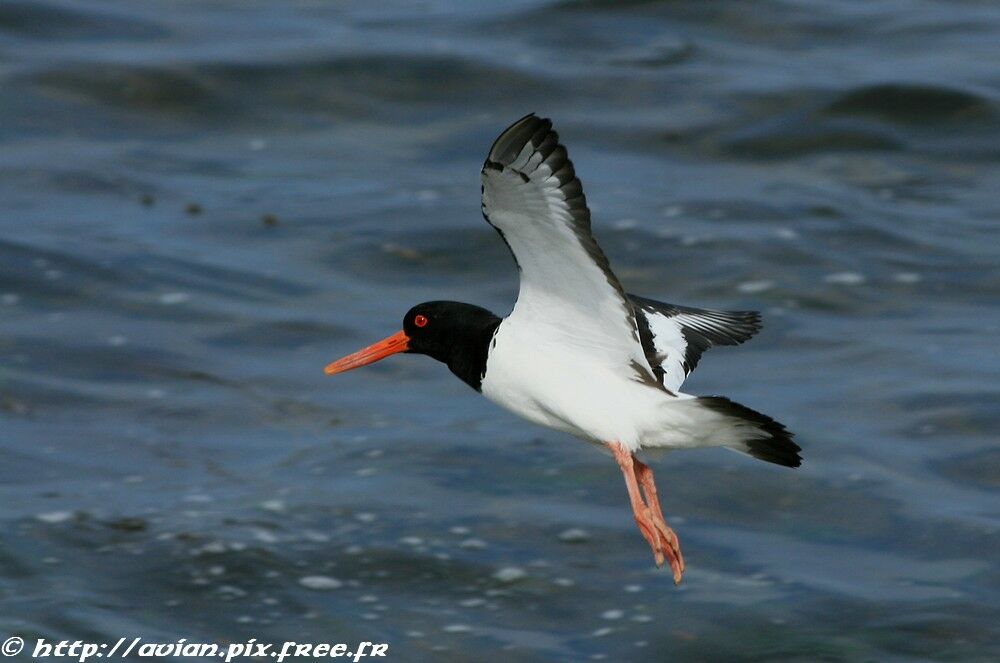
672	547
646	510
662	541
648	529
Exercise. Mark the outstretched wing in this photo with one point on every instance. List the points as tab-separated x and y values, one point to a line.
675	336
531	195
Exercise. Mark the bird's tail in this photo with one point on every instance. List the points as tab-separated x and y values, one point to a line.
714	421
754	433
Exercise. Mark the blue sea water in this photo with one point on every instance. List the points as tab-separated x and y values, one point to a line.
202	203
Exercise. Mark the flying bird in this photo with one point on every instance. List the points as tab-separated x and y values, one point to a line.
577	353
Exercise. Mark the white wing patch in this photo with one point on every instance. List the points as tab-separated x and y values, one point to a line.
680	334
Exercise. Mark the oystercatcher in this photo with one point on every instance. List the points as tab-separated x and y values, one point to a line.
577	353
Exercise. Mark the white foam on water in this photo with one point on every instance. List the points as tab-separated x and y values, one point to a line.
751	287
320	583
510	574
845	278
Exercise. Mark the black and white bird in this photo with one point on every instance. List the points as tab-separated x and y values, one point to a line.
577	353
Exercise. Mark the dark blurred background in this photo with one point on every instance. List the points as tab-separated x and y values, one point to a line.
202	203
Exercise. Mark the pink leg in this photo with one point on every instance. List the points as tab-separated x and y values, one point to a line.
661	541
644	475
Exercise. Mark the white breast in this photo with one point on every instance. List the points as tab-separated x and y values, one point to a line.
533	372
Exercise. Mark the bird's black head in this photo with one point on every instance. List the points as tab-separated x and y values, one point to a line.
452	332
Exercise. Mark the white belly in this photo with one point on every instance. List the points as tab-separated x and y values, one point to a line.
560	386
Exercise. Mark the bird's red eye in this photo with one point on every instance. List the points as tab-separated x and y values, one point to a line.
420	321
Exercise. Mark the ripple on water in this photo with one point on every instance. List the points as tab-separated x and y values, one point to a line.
899	102
195	209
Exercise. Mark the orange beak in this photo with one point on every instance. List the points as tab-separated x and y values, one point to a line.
398	342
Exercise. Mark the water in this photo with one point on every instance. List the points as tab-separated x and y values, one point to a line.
201	204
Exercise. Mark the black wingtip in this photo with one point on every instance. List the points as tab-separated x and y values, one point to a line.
753	321
511	140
